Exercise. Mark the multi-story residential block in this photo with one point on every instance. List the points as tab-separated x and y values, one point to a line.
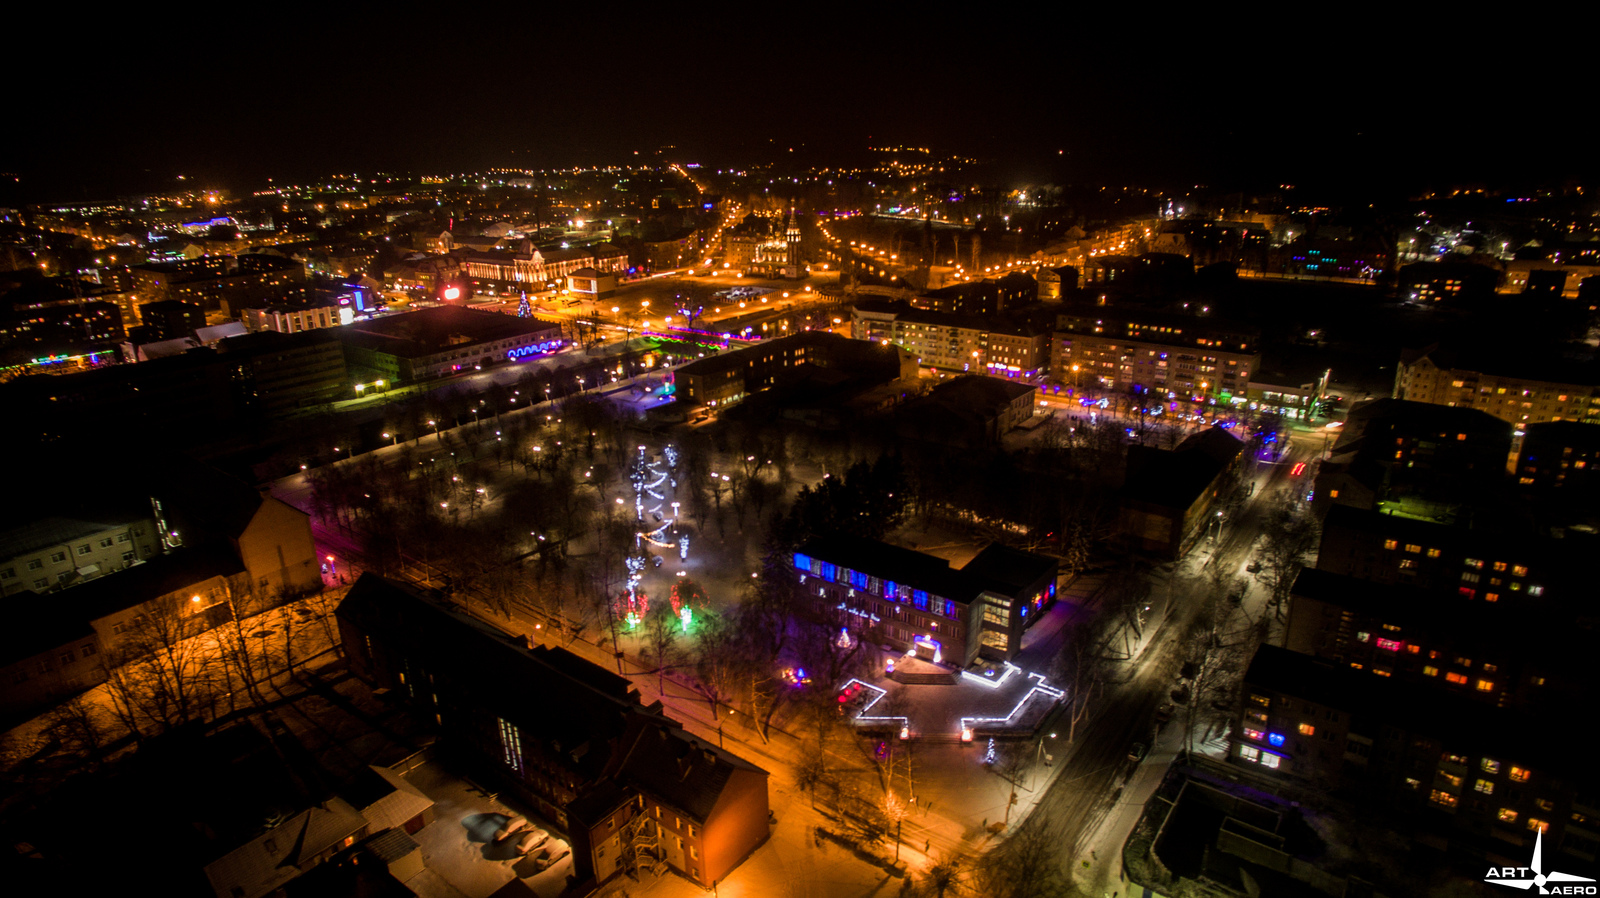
1473	781
952	342
59	551
731	376
1413	456
55	649
219	284
1441	640
1520	390
915	601
1170	357
1473	553
631	790
1558	461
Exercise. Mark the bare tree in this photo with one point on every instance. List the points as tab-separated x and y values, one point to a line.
161	675
660	633
1289	535
1026	865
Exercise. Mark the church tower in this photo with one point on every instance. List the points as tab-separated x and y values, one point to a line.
793	238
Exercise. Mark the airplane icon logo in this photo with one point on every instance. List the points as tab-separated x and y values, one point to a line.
1511	876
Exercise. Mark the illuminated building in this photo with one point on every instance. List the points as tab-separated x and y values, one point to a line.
317	310
1549	275
592	284
1440	640
964	343
1477	783
1526	389
218	284
1413	456
435	342
632	791
911	600
1164	356
1559	462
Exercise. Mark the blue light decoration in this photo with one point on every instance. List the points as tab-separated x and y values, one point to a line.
858	580
1275	739
802	562
533	349
1024	610
829	572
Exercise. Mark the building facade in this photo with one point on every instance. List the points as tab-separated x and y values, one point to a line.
1169	357
1520	391
917	602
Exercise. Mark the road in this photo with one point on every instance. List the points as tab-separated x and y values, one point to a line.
1084	786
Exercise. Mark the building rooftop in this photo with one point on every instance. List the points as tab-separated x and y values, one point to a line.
1176	478
679	769
429	331
999	570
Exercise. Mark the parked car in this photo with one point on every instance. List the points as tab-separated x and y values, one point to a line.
1137	752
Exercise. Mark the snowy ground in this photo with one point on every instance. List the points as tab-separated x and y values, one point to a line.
458	846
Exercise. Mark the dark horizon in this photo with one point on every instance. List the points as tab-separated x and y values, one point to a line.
1385	115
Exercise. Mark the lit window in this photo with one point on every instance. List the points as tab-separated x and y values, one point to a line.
1489	765
1412	782
1534	823
1413	548
1268	759
1433	553
1485	685
1261	700
1484	786
1499	565
1254	734
1363	636
1536	590
1507	815
1458	679
1249	753
1428	670
1389	645
1307	729
1466	591
1491	597
1391	544
1545	804
1452	779
1474	563
1519	774
1455	759
1441	797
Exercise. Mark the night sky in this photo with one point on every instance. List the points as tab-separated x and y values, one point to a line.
1331	97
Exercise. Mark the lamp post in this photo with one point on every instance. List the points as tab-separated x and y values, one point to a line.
1038	755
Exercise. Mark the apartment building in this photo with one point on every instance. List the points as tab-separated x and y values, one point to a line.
1177	357
1520	390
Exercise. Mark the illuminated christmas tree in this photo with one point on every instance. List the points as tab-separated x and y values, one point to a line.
524	310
